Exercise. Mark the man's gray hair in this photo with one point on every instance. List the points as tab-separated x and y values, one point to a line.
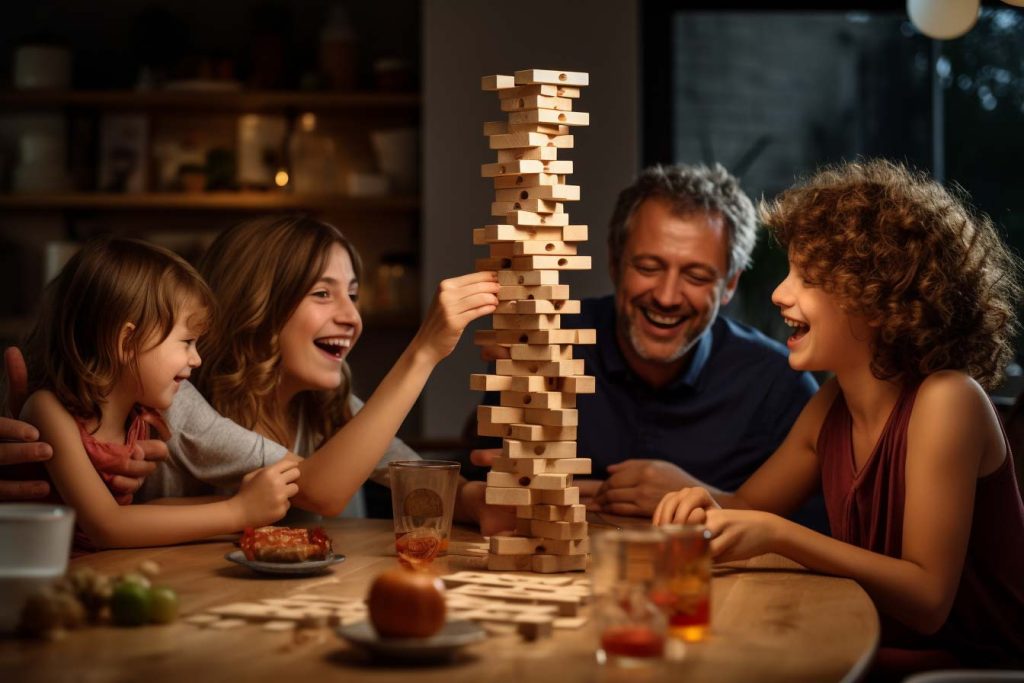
690	190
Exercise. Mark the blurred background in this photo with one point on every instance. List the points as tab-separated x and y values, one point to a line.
172	120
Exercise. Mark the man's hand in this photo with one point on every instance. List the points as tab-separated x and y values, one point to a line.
19	441
635	487
493	519
129	475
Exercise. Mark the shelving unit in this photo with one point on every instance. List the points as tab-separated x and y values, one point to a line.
208	201
208	100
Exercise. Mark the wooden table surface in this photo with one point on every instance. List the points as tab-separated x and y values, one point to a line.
771	621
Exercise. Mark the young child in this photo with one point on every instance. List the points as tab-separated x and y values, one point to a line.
115	339
908	297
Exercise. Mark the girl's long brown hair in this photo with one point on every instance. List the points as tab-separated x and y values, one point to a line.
260	271
73	350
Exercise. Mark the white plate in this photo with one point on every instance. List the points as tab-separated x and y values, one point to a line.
442	645
284	568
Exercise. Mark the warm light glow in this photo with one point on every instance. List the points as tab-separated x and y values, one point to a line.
281	178
943	19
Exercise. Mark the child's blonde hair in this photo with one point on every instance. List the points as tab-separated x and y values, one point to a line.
261	270
75	349
912	257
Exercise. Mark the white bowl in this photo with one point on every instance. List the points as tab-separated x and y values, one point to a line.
35	541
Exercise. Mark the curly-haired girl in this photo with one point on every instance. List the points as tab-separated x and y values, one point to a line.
907	296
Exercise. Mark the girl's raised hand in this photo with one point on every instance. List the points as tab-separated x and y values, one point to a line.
685	506
458	302
265	493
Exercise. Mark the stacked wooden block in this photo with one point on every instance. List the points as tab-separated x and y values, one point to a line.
538	384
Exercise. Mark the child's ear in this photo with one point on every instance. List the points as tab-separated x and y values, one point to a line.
123	337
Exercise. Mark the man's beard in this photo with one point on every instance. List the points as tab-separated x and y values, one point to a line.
636	342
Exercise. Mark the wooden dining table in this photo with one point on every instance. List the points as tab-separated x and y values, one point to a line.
772	620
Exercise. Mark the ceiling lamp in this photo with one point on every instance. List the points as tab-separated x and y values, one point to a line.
944	19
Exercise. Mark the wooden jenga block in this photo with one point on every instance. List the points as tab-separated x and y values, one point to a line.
519	545
519	466
583	384
549	400
525	153
531	278
482	264
565	118
522	140
569	496
533	76
551	262
553	293
556	450
566	336
536	432
538	321
531	205
509	563
500	415
528	180
515	233
553	513
531	218
543	128
558	530
569	465
500	250
527	103
542	482
531	306
507	383
545	89
566	417
558	193
574	233
538	247
496	82
551	352
552	564
526	166
494	495
560	368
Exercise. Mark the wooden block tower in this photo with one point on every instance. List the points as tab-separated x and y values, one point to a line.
537	416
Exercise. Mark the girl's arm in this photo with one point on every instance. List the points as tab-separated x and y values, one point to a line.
110	525
333	474
780	485
952	427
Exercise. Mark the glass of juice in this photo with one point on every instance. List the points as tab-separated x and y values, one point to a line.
683	587
631	628
422	500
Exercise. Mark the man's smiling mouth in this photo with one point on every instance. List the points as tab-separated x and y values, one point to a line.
662	321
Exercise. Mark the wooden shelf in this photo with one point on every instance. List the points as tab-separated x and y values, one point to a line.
207	201
233	101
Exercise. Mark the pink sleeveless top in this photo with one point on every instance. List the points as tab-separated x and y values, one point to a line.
106	456
986	624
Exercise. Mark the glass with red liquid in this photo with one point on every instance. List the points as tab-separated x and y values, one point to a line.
631	628
683	587
422	500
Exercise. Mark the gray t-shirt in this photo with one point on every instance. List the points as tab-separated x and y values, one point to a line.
210	454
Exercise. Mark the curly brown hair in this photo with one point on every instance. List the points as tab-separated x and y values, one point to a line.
912	257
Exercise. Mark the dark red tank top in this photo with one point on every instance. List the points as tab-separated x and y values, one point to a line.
986	624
